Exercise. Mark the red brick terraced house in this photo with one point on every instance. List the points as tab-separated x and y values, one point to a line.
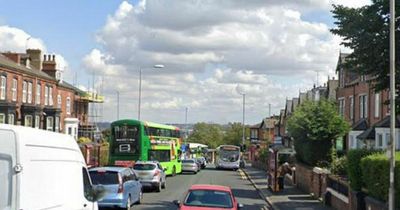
33	94
364	109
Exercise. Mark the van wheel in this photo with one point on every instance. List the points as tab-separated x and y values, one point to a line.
128	203
174	171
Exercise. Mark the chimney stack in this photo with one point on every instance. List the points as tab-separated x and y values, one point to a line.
35	55
49	65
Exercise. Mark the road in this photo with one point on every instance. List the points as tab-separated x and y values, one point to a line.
178	185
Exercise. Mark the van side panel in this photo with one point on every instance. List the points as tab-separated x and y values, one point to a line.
53	176
7	174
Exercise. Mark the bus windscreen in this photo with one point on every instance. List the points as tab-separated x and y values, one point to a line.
126	139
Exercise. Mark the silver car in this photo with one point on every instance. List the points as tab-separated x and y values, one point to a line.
151	174
190	165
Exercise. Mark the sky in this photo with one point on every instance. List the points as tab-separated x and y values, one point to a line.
268	49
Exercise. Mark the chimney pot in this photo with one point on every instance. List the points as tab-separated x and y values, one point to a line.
54	57
44	57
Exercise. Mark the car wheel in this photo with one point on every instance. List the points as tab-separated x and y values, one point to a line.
174	171
128	203
164	185
140	197
158	187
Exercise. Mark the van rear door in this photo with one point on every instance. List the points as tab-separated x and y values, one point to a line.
7	173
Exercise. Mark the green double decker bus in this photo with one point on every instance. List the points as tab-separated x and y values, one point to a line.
133	140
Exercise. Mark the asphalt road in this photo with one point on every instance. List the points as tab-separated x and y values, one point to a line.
243	190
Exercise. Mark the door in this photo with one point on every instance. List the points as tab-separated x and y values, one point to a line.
7	173
87	201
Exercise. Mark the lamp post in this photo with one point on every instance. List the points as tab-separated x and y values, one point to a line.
241	92
117	105
392	107
158	66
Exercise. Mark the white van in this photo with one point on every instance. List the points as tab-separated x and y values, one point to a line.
42	170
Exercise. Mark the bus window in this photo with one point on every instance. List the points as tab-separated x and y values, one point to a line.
126	139
160	155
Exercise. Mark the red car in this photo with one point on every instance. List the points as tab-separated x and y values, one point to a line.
208	197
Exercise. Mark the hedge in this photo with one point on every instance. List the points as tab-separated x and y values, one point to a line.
375	176
354	157
313	153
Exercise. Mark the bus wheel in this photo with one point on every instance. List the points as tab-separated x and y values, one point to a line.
174	171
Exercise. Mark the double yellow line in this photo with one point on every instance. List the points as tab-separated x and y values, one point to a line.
242	175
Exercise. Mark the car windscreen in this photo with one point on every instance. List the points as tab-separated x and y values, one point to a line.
209	198
144	167
187	161
104	177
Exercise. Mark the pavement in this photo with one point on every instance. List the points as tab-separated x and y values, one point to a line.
290	198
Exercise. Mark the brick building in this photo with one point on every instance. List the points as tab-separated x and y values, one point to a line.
33	93
364	108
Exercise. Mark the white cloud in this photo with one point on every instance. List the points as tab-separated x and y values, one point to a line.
208	47
16	40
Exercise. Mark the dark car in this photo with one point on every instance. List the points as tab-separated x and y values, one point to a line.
202	161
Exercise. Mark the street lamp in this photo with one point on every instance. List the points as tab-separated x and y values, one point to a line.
241	92
157	66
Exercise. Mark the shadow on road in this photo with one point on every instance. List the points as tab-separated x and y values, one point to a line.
152	206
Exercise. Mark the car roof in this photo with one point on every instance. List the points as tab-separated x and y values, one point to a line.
109	168
210	187
147	162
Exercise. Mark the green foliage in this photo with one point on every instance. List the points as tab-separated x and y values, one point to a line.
104	152
365	30
375	175
106	134
233	133
208	134
354	172
339	166
264	153
314	127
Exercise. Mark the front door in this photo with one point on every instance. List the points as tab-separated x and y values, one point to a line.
7	170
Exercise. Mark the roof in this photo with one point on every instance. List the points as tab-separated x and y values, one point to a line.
367	134
256	125
210	187
109	168
10	64
146	123
385	122
360	125
69	86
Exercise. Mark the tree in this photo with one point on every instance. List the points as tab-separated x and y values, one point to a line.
365	30
314	127
208	134
233	134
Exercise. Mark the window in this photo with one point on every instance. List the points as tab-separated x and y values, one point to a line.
28	120
7	172
68	105
3	87
11	119
29	92
37	121
363	78
377	104
24	90
49	123
87	187
2	118
38	92
363	106
59	101
69	130
160	155
351	107
341	106
57	125
353	143
14	89
51	102
46	95
387	139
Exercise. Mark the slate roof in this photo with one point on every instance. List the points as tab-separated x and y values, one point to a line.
367	134
10	64
385	122
360	125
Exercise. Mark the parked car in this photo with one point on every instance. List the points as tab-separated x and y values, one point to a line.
198	163
203	162
151	174
123	188
43	170
208	197
190	165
